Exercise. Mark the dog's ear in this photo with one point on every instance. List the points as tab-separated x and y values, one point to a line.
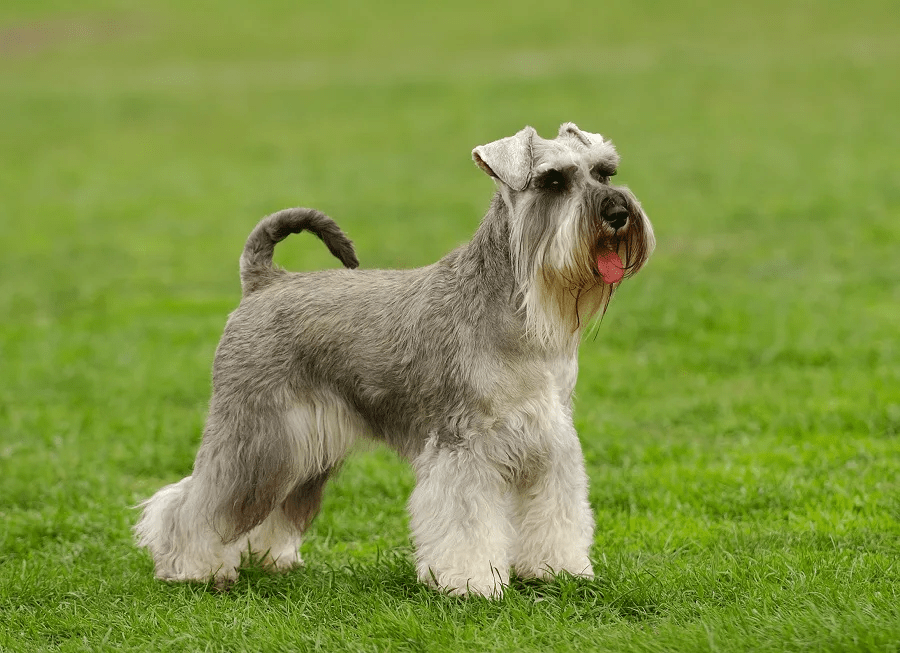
570	130
508	159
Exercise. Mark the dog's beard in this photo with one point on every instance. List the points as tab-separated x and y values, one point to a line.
556	265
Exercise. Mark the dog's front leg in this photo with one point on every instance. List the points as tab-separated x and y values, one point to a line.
551	514
460	520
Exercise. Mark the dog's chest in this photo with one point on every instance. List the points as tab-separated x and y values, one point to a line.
461	402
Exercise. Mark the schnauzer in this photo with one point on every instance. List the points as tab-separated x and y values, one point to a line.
465	367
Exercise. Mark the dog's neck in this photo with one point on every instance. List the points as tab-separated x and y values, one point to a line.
486	264
489	247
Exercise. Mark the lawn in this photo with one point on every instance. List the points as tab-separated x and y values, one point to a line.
739	406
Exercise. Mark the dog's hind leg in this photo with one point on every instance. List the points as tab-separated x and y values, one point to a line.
196	529
319	431
181	541
257	483
278	538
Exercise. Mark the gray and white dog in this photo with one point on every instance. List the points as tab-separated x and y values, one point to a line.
465	367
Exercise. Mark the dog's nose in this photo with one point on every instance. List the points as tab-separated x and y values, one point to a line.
616	216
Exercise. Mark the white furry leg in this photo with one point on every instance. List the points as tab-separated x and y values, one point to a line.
553	519
459	516
178	536
277	540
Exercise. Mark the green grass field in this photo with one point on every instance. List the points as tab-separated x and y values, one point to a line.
739	407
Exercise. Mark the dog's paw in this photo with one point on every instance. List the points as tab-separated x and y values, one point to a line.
485	589
489	587
285	563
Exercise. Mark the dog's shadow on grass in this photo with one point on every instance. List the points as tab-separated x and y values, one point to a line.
391	579
581	598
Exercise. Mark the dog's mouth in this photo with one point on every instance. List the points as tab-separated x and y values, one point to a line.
610	266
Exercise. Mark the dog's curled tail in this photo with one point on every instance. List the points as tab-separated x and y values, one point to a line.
256	261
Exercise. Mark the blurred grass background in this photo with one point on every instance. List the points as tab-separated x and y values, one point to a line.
739	407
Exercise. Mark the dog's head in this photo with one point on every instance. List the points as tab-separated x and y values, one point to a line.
573	234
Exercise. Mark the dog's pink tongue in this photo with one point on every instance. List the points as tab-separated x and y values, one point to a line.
610	267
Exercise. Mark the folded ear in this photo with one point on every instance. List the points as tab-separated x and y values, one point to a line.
570	129
508	159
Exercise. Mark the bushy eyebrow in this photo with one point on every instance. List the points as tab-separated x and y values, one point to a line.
606	164
568	169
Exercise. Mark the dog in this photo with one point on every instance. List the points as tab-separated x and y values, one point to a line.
465	367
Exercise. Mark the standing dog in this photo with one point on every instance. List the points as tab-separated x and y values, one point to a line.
465	367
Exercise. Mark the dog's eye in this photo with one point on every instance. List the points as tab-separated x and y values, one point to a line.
553	180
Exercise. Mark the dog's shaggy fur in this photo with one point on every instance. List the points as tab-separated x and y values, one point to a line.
465	367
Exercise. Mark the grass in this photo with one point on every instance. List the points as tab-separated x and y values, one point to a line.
739	408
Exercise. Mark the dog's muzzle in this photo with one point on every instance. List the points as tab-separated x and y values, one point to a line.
616	216
611	206
614	210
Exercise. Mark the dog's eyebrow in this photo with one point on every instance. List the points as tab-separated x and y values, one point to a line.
605	168
566	169
607	164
